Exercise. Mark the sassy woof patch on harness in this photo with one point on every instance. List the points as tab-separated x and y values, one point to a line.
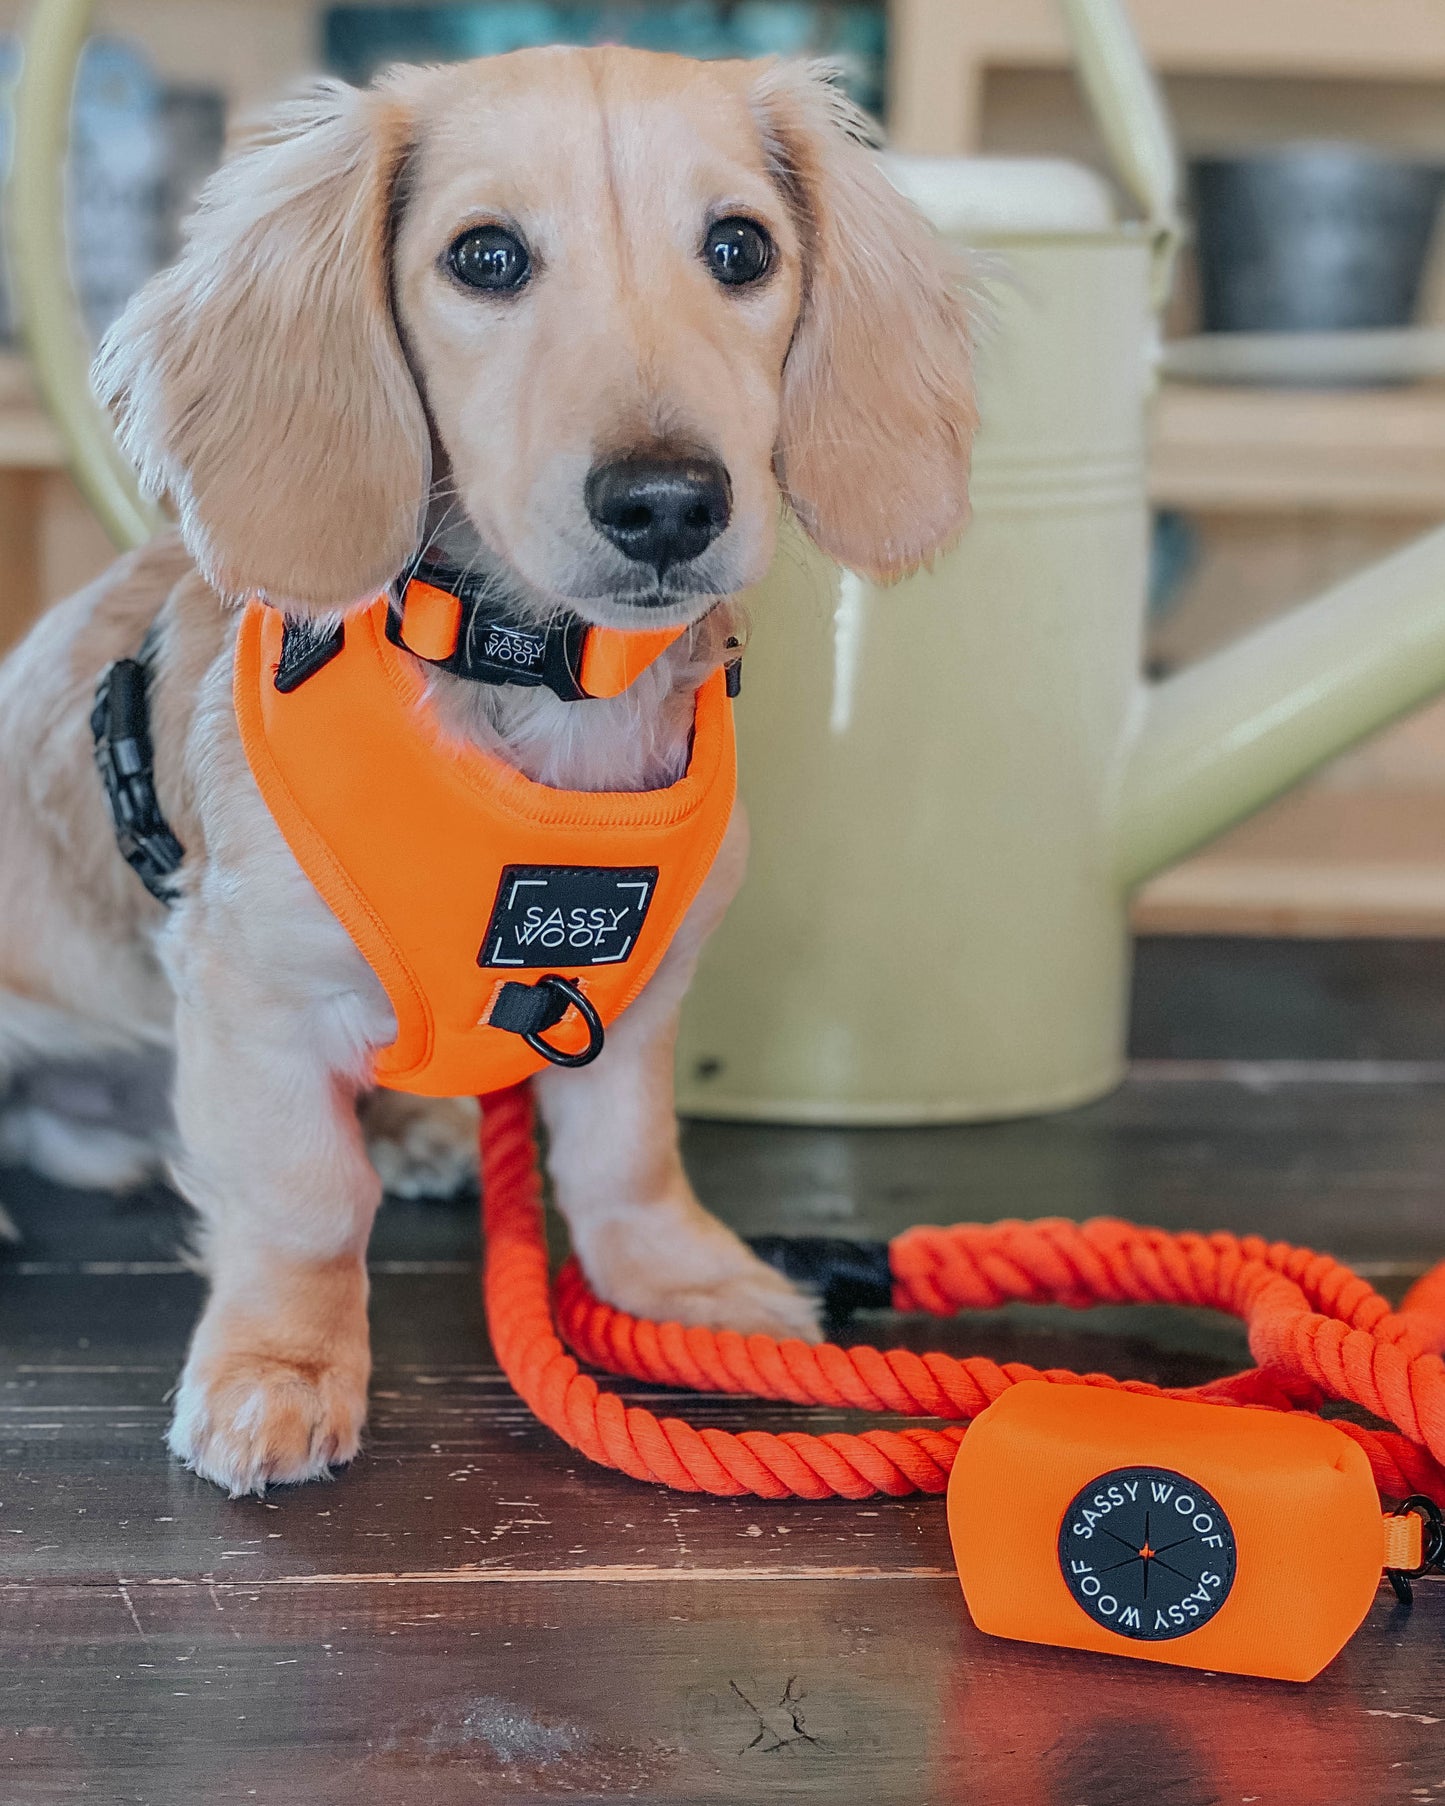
1201	1535
587	915
508	922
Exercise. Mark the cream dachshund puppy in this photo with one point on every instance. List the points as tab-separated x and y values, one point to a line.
420	317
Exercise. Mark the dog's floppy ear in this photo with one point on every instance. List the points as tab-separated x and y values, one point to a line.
261	383
877	408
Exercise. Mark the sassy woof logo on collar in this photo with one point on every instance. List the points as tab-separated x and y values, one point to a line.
567	915
510	648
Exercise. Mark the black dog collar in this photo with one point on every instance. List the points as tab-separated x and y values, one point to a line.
454	621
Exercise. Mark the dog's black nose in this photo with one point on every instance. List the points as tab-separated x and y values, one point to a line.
660	511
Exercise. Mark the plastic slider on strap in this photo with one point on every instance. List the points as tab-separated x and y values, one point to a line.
528	1010
120	726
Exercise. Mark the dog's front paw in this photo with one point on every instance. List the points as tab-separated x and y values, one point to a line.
691	1269
250	1420
760	1303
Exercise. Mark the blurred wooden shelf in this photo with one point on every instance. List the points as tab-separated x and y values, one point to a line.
29	441
1325	862
1262	450
941	50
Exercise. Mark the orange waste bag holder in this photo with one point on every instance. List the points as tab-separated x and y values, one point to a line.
1206	1536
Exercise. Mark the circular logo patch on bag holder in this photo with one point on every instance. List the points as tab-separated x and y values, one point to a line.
1147	1552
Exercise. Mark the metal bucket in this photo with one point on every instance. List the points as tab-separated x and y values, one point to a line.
1312	238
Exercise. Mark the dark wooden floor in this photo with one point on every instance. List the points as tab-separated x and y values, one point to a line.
471	1614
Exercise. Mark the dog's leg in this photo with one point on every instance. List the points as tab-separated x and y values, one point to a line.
644	1241
274	1386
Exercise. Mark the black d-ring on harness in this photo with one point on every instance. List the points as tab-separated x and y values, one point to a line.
526	1010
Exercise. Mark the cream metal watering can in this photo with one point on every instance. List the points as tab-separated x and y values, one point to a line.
954	784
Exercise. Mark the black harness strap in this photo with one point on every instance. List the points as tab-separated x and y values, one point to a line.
306	647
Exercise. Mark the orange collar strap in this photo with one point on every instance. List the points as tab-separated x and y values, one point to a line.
453	620
509	923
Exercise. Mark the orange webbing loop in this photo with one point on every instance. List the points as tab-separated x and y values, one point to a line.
1404	1542
1317	1330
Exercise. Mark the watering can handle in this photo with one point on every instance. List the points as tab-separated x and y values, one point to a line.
45	302
1130	113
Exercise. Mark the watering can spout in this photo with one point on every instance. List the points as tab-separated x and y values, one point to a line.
1224	737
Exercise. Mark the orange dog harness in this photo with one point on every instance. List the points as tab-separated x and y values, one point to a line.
494	911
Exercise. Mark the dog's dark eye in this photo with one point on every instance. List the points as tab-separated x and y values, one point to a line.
738	251
489	257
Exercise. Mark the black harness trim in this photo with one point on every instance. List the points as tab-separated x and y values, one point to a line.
120	723
306	646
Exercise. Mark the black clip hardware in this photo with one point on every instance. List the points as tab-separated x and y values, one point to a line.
1432	1545
120	723
733	669
527	1010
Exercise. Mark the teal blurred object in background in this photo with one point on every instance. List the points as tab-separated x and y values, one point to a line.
359	40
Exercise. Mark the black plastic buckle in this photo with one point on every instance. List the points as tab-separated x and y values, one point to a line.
492	646
1432	1545
527	1010
120	724
733	668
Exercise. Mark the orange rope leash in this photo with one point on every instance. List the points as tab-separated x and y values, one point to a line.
1317	1331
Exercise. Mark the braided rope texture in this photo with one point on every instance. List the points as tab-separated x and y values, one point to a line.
1317	1331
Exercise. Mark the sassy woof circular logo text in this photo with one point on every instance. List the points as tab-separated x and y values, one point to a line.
1147	1552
